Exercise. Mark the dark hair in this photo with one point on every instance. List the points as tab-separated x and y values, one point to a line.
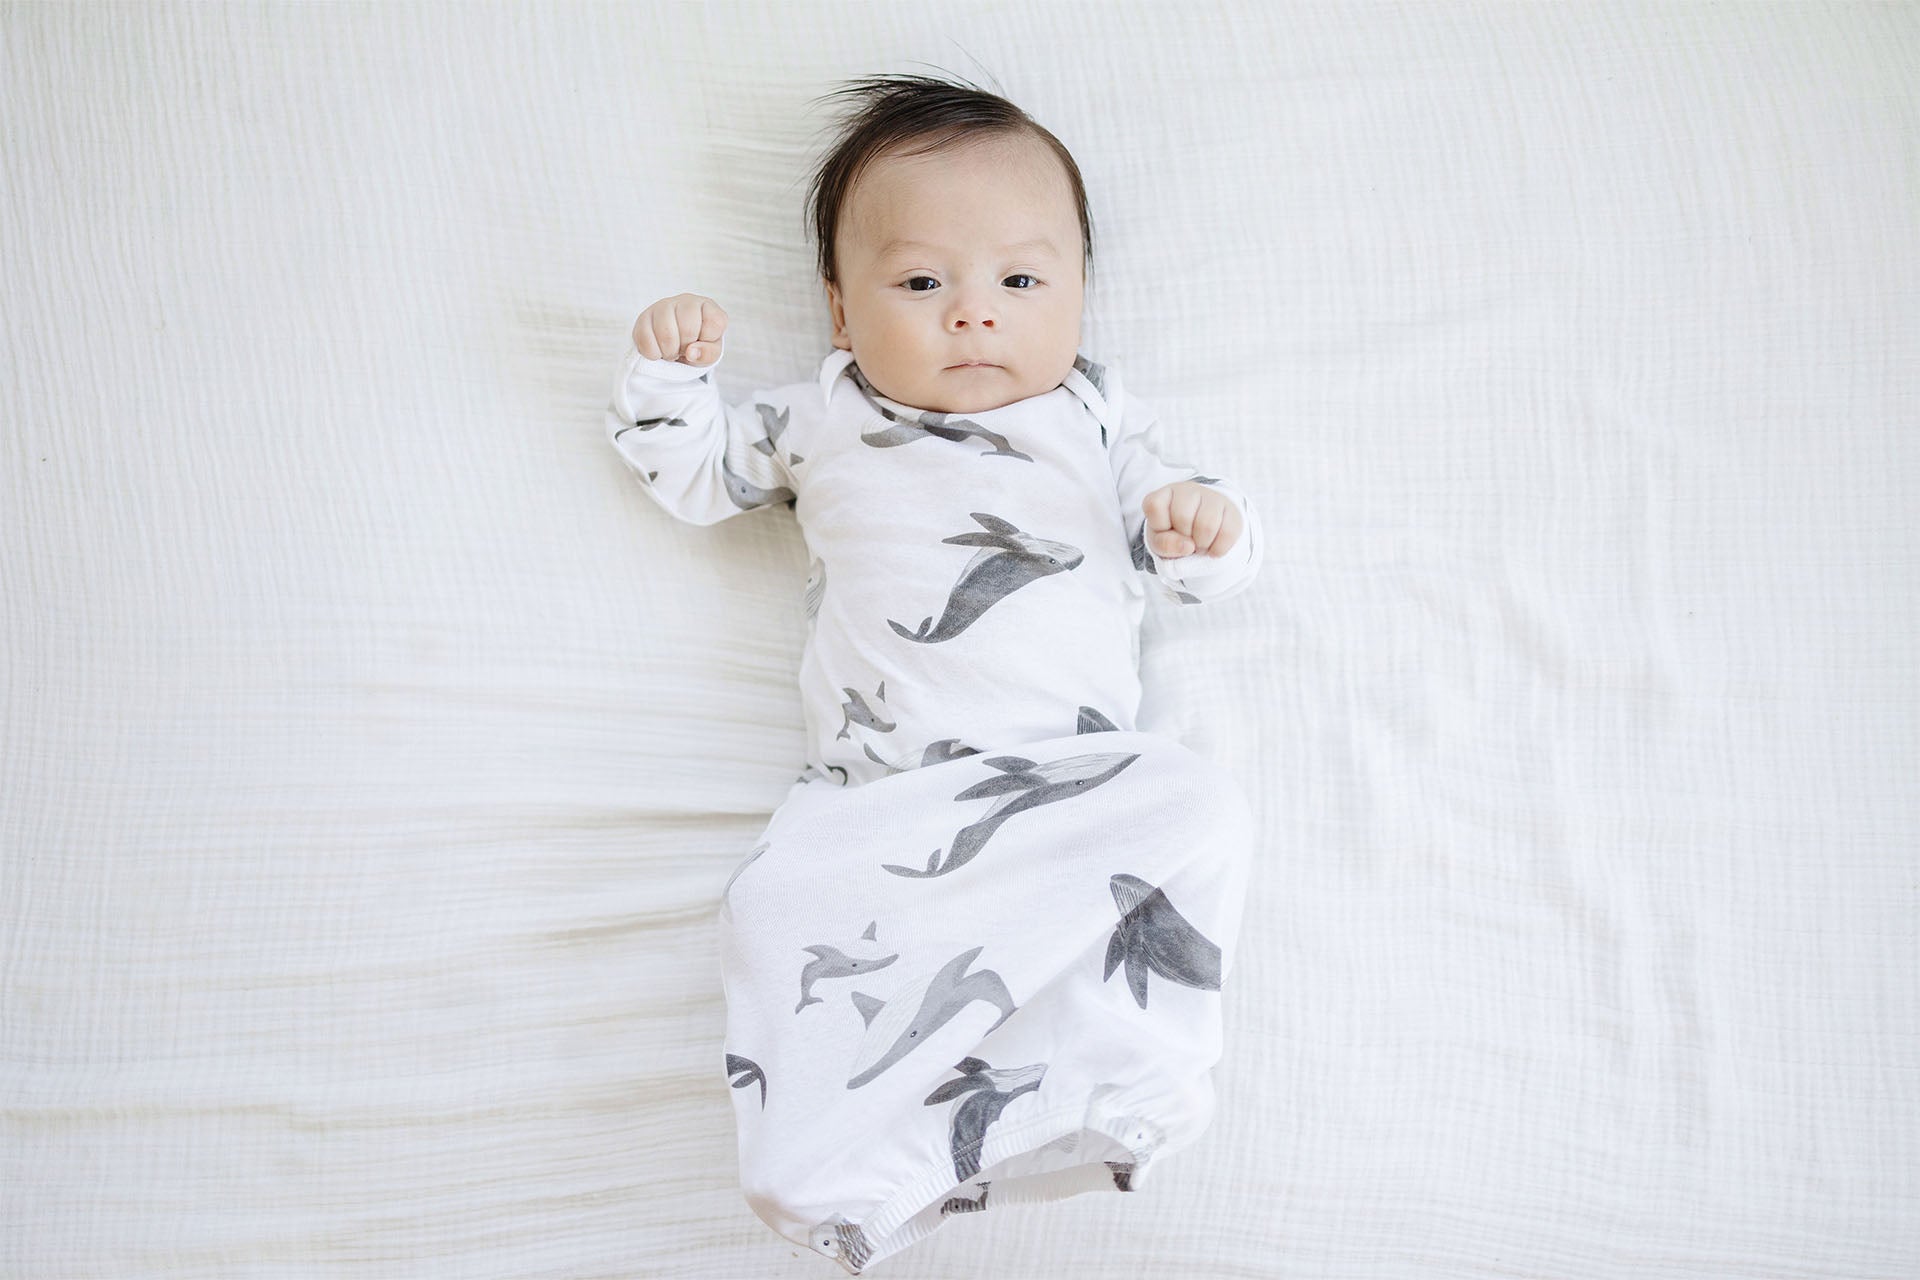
896	111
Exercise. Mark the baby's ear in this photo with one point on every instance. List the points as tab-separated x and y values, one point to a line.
839	316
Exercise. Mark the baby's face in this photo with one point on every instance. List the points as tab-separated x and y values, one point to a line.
960	275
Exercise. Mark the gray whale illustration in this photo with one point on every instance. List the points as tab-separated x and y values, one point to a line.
1022	785
1153	937
1094	373
774	421
1091	721
856	711
648	424
832	962
1008	560
745	494
906	1020
934	753
984	1094
749	1071
816	587
960	1204
925	423
849	1237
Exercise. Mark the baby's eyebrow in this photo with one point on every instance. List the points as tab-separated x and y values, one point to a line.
897	244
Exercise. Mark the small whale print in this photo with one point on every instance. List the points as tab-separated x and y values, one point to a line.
944	750
983	1093
747	495
1008	560
837	962
1138	549
858	712
960	1204
648	424
816	587
847	1239
935	753
1021	785
1154	938
749	1072
813	771
1094	373
775	424
907	1019
1091	721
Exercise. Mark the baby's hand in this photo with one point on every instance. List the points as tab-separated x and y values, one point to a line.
685	327
1186	516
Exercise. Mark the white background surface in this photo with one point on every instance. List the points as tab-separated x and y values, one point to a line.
374	752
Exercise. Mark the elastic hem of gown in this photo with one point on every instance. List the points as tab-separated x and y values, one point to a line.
904	1219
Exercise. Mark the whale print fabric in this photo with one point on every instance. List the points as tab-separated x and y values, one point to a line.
1038	1019
977	956
973	580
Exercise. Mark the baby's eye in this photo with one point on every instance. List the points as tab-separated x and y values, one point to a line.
929	279
1011	279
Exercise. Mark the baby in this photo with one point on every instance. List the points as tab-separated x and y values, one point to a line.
953	244
982	505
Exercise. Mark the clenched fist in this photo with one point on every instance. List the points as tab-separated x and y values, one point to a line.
685	327
1186	516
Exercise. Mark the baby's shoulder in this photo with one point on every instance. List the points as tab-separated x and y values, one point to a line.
790	404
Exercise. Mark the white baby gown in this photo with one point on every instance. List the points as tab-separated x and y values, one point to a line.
976	955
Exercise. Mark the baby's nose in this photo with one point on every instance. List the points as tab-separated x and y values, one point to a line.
970	311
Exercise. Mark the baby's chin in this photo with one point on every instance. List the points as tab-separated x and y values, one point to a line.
972	389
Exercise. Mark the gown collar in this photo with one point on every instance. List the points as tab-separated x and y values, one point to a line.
1083	380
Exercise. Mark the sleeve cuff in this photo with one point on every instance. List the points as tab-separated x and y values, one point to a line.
670	370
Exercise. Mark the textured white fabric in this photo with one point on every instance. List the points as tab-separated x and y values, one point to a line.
373	753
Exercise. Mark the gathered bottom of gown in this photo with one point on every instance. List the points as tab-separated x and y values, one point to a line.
992	979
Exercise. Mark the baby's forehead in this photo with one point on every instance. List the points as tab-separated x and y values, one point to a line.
1006	158
879	200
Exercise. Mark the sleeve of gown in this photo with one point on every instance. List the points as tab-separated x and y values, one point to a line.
1139	468
700	458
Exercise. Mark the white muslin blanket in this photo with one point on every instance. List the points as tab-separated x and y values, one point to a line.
976	956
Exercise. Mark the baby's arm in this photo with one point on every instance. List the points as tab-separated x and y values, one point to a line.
1139	470
700	458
